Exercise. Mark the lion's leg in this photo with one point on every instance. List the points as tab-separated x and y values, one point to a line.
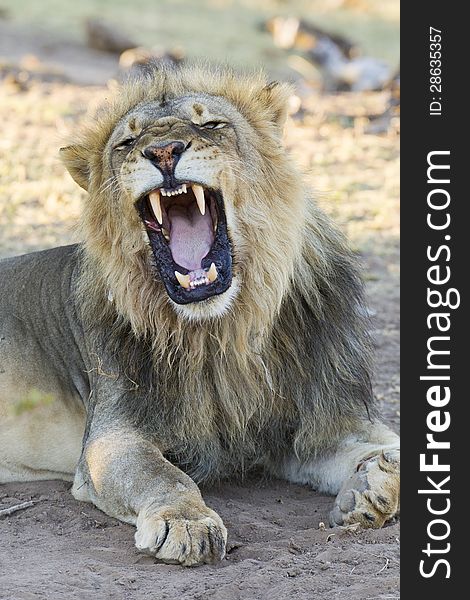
125	475
362	471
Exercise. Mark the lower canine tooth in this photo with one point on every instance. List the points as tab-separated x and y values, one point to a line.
183	280
212	273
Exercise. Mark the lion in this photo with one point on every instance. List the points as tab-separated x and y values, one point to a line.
211	322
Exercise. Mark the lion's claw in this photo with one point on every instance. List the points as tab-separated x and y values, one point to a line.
181	536
371	496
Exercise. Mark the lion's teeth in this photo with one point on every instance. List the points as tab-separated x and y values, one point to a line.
181	190
183	280
166	234
212	273
201	202
156	206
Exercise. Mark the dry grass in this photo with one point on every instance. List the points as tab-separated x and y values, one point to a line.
38	201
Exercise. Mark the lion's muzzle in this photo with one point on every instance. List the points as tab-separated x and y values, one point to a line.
165	157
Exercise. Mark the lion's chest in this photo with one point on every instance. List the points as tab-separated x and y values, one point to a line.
213	440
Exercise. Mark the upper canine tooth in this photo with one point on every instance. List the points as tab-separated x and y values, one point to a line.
183	280
201	202
212	273
184	188
156	206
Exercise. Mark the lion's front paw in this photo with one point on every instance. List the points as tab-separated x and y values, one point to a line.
182	535
372	495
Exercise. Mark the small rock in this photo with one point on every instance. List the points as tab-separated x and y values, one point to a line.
293	572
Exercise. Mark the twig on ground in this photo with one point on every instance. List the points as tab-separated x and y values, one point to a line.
387	561
6	512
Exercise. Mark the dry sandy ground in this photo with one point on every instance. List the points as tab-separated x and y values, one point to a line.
60	548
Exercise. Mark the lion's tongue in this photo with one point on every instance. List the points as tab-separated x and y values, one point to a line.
191	235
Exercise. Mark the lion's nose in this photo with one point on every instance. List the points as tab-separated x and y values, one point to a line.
165	156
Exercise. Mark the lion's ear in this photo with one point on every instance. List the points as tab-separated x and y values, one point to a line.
275	96
76	162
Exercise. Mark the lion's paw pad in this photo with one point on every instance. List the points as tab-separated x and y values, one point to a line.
371	496
175	536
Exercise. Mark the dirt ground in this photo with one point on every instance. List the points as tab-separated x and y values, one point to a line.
278	547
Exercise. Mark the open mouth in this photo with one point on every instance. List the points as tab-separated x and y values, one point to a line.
187	229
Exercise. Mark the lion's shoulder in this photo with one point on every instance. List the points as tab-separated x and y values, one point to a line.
30	278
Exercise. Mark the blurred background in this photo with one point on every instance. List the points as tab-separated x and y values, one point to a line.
59	59
227	30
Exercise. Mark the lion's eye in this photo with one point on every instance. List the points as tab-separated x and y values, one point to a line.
125	144
213	125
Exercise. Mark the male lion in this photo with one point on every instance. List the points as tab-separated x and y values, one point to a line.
211	321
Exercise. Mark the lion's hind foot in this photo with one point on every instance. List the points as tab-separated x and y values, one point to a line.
371	496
